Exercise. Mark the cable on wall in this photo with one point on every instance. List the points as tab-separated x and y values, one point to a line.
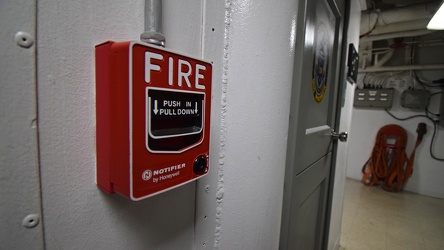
434	130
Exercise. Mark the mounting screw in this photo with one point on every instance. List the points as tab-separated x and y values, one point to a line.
24	39
31	221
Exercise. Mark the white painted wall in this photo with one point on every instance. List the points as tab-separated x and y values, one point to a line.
238	205
427	172
343	148
19	173
256	82
77	215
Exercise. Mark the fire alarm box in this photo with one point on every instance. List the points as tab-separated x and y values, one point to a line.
153	118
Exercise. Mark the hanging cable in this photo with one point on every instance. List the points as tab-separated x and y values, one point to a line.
374	26
427	108
433	135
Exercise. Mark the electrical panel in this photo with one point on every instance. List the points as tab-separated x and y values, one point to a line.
373	98
415	99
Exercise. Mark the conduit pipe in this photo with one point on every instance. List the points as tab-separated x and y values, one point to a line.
386	57
403	68
396	35
419	24
153	23
398	15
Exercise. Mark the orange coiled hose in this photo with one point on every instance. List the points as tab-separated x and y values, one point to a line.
389	165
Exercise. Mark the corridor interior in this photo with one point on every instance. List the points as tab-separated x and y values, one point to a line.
377	219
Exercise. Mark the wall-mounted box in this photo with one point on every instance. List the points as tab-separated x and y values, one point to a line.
352	63
373	98
415	99
153	118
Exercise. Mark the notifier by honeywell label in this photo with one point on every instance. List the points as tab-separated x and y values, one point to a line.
153	118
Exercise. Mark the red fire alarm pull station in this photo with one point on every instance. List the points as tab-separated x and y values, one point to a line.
153	118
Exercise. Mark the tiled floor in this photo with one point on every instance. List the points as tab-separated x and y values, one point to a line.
376	219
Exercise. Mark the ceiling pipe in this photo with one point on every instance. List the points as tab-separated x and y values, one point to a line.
153	23
386	57
396	35
371	20
419	24
402	68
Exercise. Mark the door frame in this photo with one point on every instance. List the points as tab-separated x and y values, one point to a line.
341	99
339	5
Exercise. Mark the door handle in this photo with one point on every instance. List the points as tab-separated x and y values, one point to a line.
343	136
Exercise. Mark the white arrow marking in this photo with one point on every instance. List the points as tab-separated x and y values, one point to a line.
195	109
155	110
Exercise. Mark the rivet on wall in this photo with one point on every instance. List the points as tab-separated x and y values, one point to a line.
24	39
31	221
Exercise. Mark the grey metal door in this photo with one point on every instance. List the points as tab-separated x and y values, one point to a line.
314	101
